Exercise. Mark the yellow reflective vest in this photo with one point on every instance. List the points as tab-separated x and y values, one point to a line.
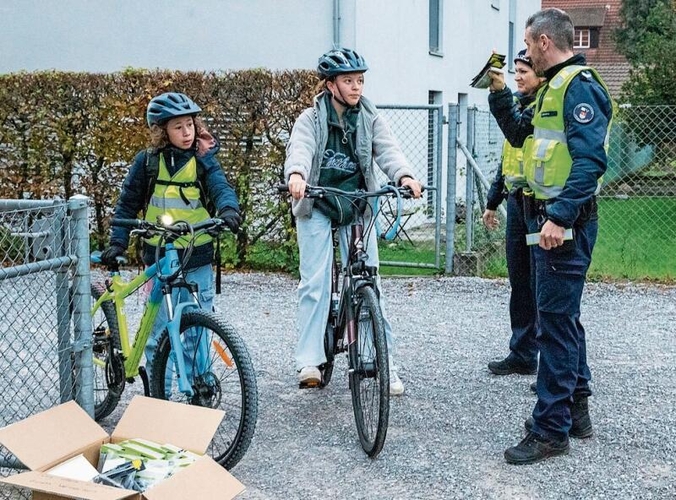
547	161
179	198
512	165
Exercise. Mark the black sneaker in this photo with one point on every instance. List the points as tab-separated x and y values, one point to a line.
507	367
534	448
579	414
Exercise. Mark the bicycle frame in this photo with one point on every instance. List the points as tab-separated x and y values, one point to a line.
117	290
355	275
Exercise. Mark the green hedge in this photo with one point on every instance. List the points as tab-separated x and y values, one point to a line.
76	133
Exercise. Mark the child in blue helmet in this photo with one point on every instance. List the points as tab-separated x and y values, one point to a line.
335	143
182	150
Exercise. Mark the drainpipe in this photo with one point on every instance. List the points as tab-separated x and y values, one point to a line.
336	24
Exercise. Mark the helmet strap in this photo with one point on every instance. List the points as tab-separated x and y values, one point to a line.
338	96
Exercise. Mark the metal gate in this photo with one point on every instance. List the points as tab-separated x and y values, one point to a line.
45	351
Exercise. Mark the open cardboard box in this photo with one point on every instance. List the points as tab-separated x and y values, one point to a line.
55	435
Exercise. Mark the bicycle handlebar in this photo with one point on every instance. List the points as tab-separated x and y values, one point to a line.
321	191
180	228
401	192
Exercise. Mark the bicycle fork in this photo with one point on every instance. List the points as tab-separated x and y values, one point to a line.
174	329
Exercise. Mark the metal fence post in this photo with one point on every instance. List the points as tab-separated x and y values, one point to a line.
61	291
469	182
452	154
82	334
437	183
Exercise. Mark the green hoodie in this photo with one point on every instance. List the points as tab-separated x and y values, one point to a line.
339	165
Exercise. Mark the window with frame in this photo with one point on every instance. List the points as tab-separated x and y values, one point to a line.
582	38
436	27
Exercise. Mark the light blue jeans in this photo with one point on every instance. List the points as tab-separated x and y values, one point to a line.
203	277
316	253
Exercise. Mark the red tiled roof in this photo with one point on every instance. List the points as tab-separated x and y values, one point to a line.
612	65
587	16
614	75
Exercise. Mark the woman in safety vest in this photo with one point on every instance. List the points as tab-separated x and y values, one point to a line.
510	184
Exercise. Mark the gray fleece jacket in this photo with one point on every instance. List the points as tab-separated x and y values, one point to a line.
375	143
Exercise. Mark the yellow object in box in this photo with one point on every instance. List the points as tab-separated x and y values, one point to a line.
147	443
130	448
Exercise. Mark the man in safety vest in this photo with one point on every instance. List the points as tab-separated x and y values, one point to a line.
510	184
565	156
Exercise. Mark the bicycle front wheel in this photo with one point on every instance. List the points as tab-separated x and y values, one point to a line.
221	375
369	374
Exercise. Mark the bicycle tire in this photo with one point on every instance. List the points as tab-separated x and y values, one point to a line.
326	368
108	369
369	373
230	388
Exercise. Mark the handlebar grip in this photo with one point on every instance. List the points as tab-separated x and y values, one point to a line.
130	223
283	188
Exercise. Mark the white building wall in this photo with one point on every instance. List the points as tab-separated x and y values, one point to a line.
110	35
393	36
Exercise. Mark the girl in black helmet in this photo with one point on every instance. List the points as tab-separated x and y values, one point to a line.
335	143
182	151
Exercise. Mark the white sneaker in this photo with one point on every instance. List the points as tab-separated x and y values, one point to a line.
309	376
396	385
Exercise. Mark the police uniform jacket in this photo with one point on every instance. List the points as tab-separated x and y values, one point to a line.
585	134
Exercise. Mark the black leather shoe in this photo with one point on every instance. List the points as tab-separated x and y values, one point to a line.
534	448
579	414
507	367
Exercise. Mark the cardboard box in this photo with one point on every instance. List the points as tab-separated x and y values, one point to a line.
60	433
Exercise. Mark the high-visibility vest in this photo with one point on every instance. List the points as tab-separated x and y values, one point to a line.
512	164
179	198
547	161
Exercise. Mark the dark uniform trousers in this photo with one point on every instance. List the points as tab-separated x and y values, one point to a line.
522	312
560	275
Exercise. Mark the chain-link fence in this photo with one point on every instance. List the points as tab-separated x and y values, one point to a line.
417	240
44	248
637	204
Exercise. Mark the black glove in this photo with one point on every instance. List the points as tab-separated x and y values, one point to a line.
231	217
111	253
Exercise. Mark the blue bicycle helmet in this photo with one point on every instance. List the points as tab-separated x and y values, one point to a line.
164	107
339	61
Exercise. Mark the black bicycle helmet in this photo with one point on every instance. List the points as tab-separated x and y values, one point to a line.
521	56
339	61
170	105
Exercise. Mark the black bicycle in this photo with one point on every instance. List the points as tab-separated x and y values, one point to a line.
355	324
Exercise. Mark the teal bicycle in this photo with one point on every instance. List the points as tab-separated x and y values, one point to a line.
200	358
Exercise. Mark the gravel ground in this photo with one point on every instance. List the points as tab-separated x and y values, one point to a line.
448	432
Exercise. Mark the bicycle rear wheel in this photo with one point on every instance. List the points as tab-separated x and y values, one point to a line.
369	374
109	380
222	377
